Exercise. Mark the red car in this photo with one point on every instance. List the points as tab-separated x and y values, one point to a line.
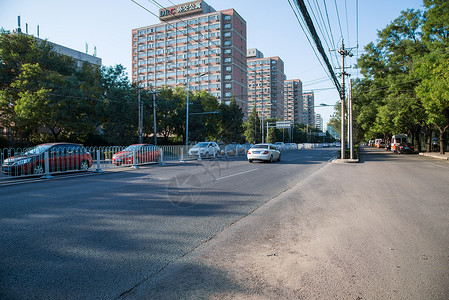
144	153
61	157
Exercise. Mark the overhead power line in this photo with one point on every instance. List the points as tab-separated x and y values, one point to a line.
317	41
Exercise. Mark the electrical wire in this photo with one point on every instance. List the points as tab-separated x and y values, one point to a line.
347	21
305	33
332	35
317	41
338	17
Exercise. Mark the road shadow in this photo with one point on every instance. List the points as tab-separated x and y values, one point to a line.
369	154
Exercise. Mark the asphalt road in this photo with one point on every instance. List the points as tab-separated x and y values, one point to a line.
105	236
378	229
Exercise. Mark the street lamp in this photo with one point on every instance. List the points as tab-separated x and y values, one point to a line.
187	110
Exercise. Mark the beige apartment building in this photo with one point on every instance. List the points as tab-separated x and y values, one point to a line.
196	47
265	85
293	103
309	109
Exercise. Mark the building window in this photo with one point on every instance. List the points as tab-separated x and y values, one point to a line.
227	18
227	60
227	43
228	94
227	34
228	86
227	51
227	77
228	69
227	26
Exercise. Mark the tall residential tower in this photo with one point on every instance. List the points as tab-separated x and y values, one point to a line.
293	103
266	85
196	47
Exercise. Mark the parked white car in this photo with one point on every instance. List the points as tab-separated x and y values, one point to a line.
205	150
264	152
280	146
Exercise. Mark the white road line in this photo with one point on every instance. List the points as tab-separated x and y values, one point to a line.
236	174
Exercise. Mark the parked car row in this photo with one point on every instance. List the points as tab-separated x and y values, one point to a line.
281	146
137	154
54	157
63	157
212	149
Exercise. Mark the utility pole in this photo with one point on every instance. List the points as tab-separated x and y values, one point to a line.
140	117
351	142
343	52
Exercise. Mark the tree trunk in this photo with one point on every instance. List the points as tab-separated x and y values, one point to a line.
442	131
429	137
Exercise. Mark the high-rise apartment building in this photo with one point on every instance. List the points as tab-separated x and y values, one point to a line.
319	122
293	102
194	46
309	110
265	85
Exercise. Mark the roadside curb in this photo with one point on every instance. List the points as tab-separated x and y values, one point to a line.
435	155
345	161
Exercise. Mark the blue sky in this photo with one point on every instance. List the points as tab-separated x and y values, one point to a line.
271	27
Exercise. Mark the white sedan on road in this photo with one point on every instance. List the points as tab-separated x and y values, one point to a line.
264	152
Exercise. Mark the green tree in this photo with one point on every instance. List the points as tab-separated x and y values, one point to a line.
231	122
44	95
384	100
434	90
119	118
252	127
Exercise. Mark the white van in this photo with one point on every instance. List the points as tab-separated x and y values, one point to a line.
398	139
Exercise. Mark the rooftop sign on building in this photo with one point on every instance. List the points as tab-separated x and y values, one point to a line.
182	10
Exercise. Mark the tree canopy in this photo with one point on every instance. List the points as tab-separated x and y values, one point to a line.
404	86
45	97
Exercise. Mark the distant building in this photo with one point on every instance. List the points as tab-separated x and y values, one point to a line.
79	57
266	85
293	103
309	110
318	122
254	53
194	46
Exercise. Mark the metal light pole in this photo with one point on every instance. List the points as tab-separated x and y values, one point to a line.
154	119
187	115
351	142
187	106
140	118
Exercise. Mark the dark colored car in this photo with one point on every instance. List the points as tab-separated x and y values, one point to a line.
404	148
144	153
61	157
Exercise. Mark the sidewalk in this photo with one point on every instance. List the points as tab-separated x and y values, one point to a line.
435	155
